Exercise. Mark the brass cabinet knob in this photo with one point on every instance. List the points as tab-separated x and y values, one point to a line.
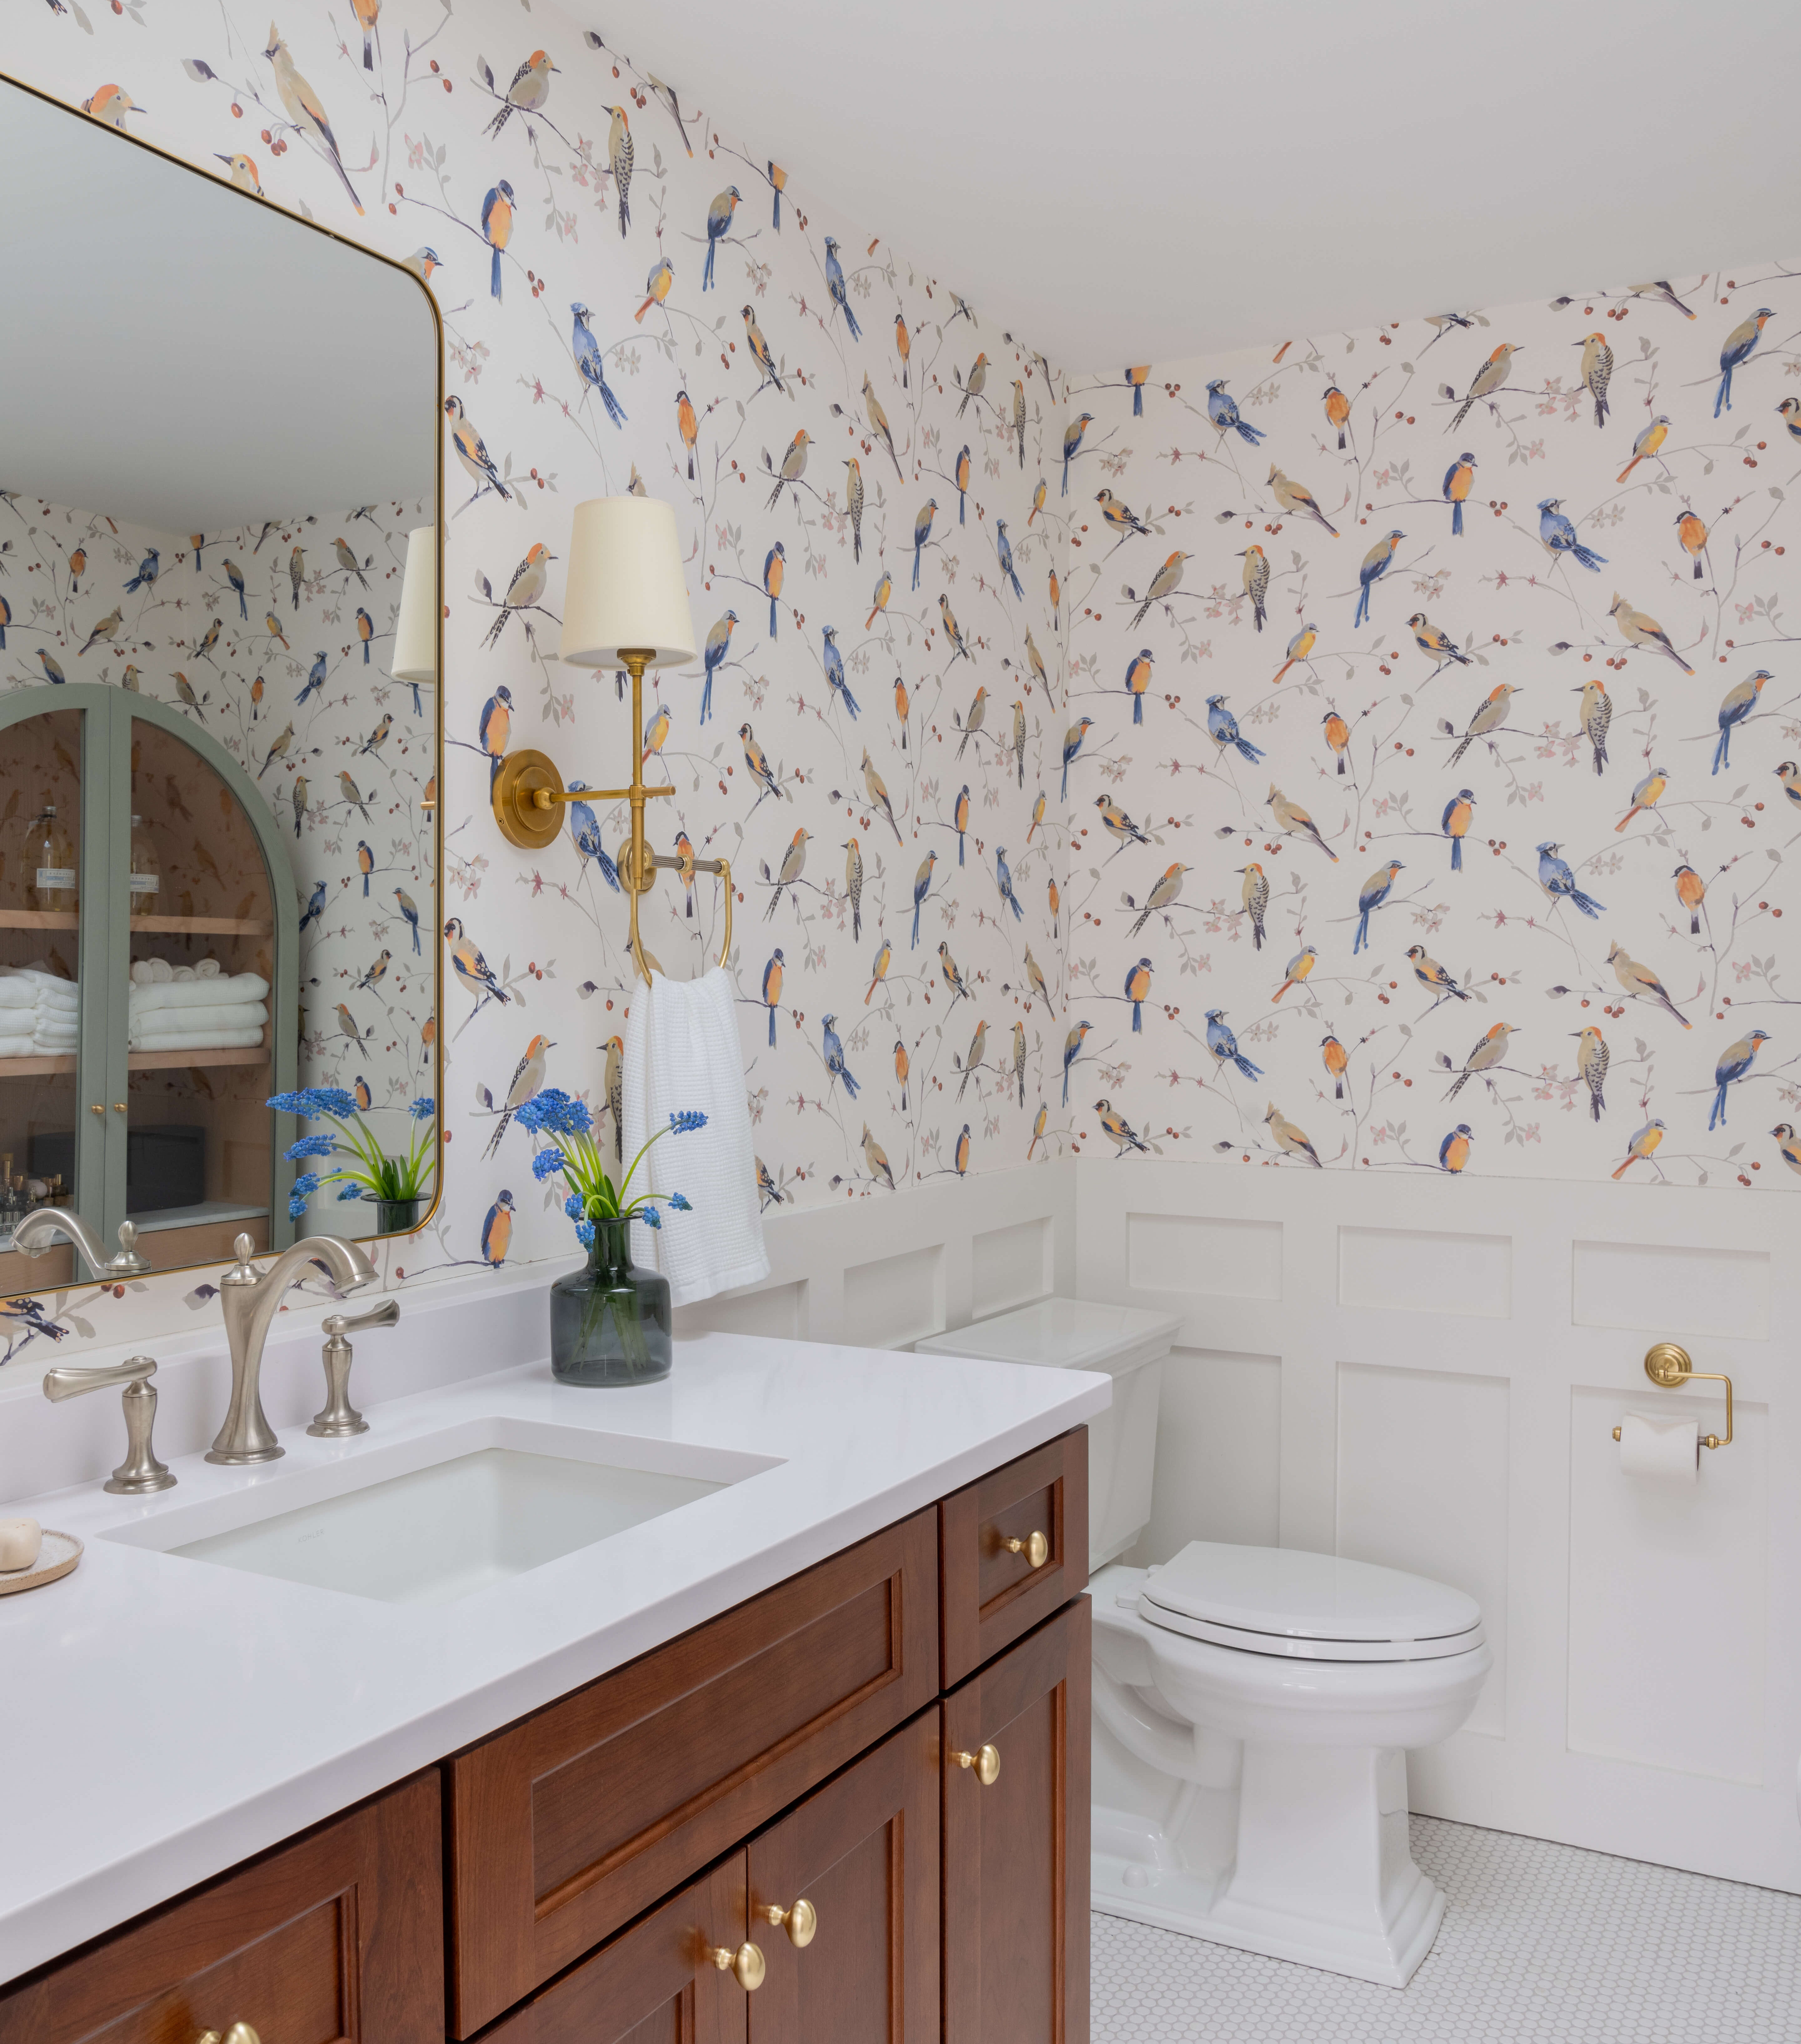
800	1921
98	1107
986	1763
746	1964
1035	1547
119	1108
240	2033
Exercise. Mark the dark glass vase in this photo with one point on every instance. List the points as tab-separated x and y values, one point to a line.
395	1216
609	1322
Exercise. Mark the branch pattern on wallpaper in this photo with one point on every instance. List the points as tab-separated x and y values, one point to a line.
1439	806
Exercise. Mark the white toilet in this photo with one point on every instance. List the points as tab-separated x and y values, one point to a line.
1253	1706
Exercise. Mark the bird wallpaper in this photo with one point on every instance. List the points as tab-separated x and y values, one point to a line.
1440	801
868	475
1371	750
274	639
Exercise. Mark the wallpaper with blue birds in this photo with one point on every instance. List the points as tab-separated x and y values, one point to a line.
1435	717
870	482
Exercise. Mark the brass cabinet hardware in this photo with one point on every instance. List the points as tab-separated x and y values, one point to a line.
98	1107
1669	1368
240	2033
746	1964
1035	1547
800	1921
986	1762
118	1107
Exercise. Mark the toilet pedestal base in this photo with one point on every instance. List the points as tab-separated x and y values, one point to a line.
1322	1874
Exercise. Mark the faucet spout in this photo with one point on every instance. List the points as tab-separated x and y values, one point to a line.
250	1299
37	1229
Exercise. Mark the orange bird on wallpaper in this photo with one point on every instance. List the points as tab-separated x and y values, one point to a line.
304	107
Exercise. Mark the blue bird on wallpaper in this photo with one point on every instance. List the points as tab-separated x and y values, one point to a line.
1375	566
719	640
497	227
959	818
921	532
495	728
835	1056
773	989
497	1230
315	905
315	678
1071	1051
52	671
921	883
718	220
589	362
1137	986
1739	344
147	571
1224	1045
365	865
409	915
365	631
1735	1061
1003	880
835	284
1455	824
1559	535
1004	553
1375	890
1223	410
1559	882
1737	704
1222	726
835	670
1072	444
1072	740
1458	479
584	829
774	566
234	574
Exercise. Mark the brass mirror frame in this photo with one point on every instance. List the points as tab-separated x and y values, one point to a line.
374	256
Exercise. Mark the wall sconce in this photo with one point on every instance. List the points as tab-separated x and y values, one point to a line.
625	604
415	630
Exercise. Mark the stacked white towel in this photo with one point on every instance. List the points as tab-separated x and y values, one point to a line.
39	1013
683	1052
207	1011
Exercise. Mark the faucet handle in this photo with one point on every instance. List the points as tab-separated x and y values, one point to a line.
383	1315
141	1473
340	1419
127	1262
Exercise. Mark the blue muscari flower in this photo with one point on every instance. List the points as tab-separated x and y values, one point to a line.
681	1203
311	1146
304	1187
548	1163
423	1110
352	1191
686	1125
573	1205
584	1233
649	1216
310	1102
553	1112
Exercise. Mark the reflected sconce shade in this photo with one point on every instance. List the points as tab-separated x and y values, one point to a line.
625	605
415	632
626	591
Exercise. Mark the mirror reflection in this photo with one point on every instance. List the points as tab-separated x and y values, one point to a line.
218	839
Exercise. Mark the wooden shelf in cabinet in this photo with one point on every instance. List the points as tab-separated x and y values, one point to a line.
136	1061
40	919
200	926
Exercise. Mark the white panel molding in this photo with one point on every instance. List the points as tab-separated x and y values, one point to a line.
1732	1266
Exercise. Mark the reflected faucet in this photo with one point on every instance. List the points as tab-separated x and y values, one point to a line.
250	1299
37	1229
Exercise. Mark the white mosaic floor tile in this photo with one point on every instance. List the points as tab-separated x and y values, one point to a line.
1542	1944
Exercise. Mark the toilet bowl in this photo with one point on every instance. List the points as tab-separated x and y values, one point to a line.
1253	1709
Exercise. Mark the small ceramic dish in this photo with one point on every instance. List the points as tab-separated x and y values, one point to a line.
58	1553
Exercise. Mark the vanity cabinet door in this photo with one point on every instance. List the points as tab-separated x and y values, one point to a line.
863	1852
337	1938
654	1984
1016	1848
993	1594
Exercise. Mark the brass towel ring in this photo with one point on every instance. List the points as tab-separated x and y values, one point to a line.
635	887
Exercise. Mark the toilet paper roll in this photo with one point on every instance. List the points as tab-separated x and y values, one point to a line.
1663	1446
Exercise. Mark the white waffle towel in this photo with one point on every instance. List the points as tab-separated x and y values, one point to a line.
683	1052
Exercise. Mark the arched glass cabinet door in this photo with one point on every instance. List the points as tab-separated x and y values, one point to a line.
148	906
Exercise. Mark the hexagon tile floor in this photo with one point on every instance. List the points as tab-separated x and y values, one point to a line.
1542	1944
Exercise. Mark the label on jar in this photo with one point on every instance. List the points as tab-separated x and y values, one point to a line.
55	876
141	883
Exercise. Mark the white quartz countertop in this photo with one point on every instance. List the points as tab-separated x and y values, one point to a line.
167	1717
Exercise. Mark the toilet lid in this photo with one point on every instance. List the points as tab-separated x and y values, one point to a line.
1289	1601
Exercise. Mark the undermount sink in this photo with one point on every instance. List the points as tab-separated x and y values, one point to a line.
440	1518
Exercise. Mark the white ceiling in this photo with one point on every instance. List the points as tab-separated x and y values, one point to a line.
179	356
1144	180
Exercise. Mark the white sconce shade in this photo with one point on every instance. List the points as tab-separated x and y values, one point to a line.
415	632
625	590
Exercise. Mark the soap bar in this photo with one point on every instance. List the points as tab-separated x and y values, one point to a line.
20	1539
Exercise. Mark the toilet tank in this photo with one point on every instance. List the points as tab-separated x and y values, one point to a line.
1128	1343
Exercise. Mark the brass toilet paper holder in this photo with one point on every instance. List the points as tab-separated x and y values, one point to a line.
1669	1368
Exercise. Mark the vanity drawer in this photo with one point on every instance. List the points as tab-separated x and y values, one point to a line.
989	1596
336	1939
567	1825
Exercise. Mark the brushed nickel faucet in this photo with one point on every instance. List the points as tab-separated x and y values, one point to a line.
36	1231
250	1299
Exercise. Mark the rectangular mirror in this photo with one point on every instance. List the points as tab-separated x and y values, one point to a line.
219	835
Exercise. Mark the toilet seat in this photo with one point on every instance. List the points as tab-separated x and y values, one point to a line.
1298	1605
